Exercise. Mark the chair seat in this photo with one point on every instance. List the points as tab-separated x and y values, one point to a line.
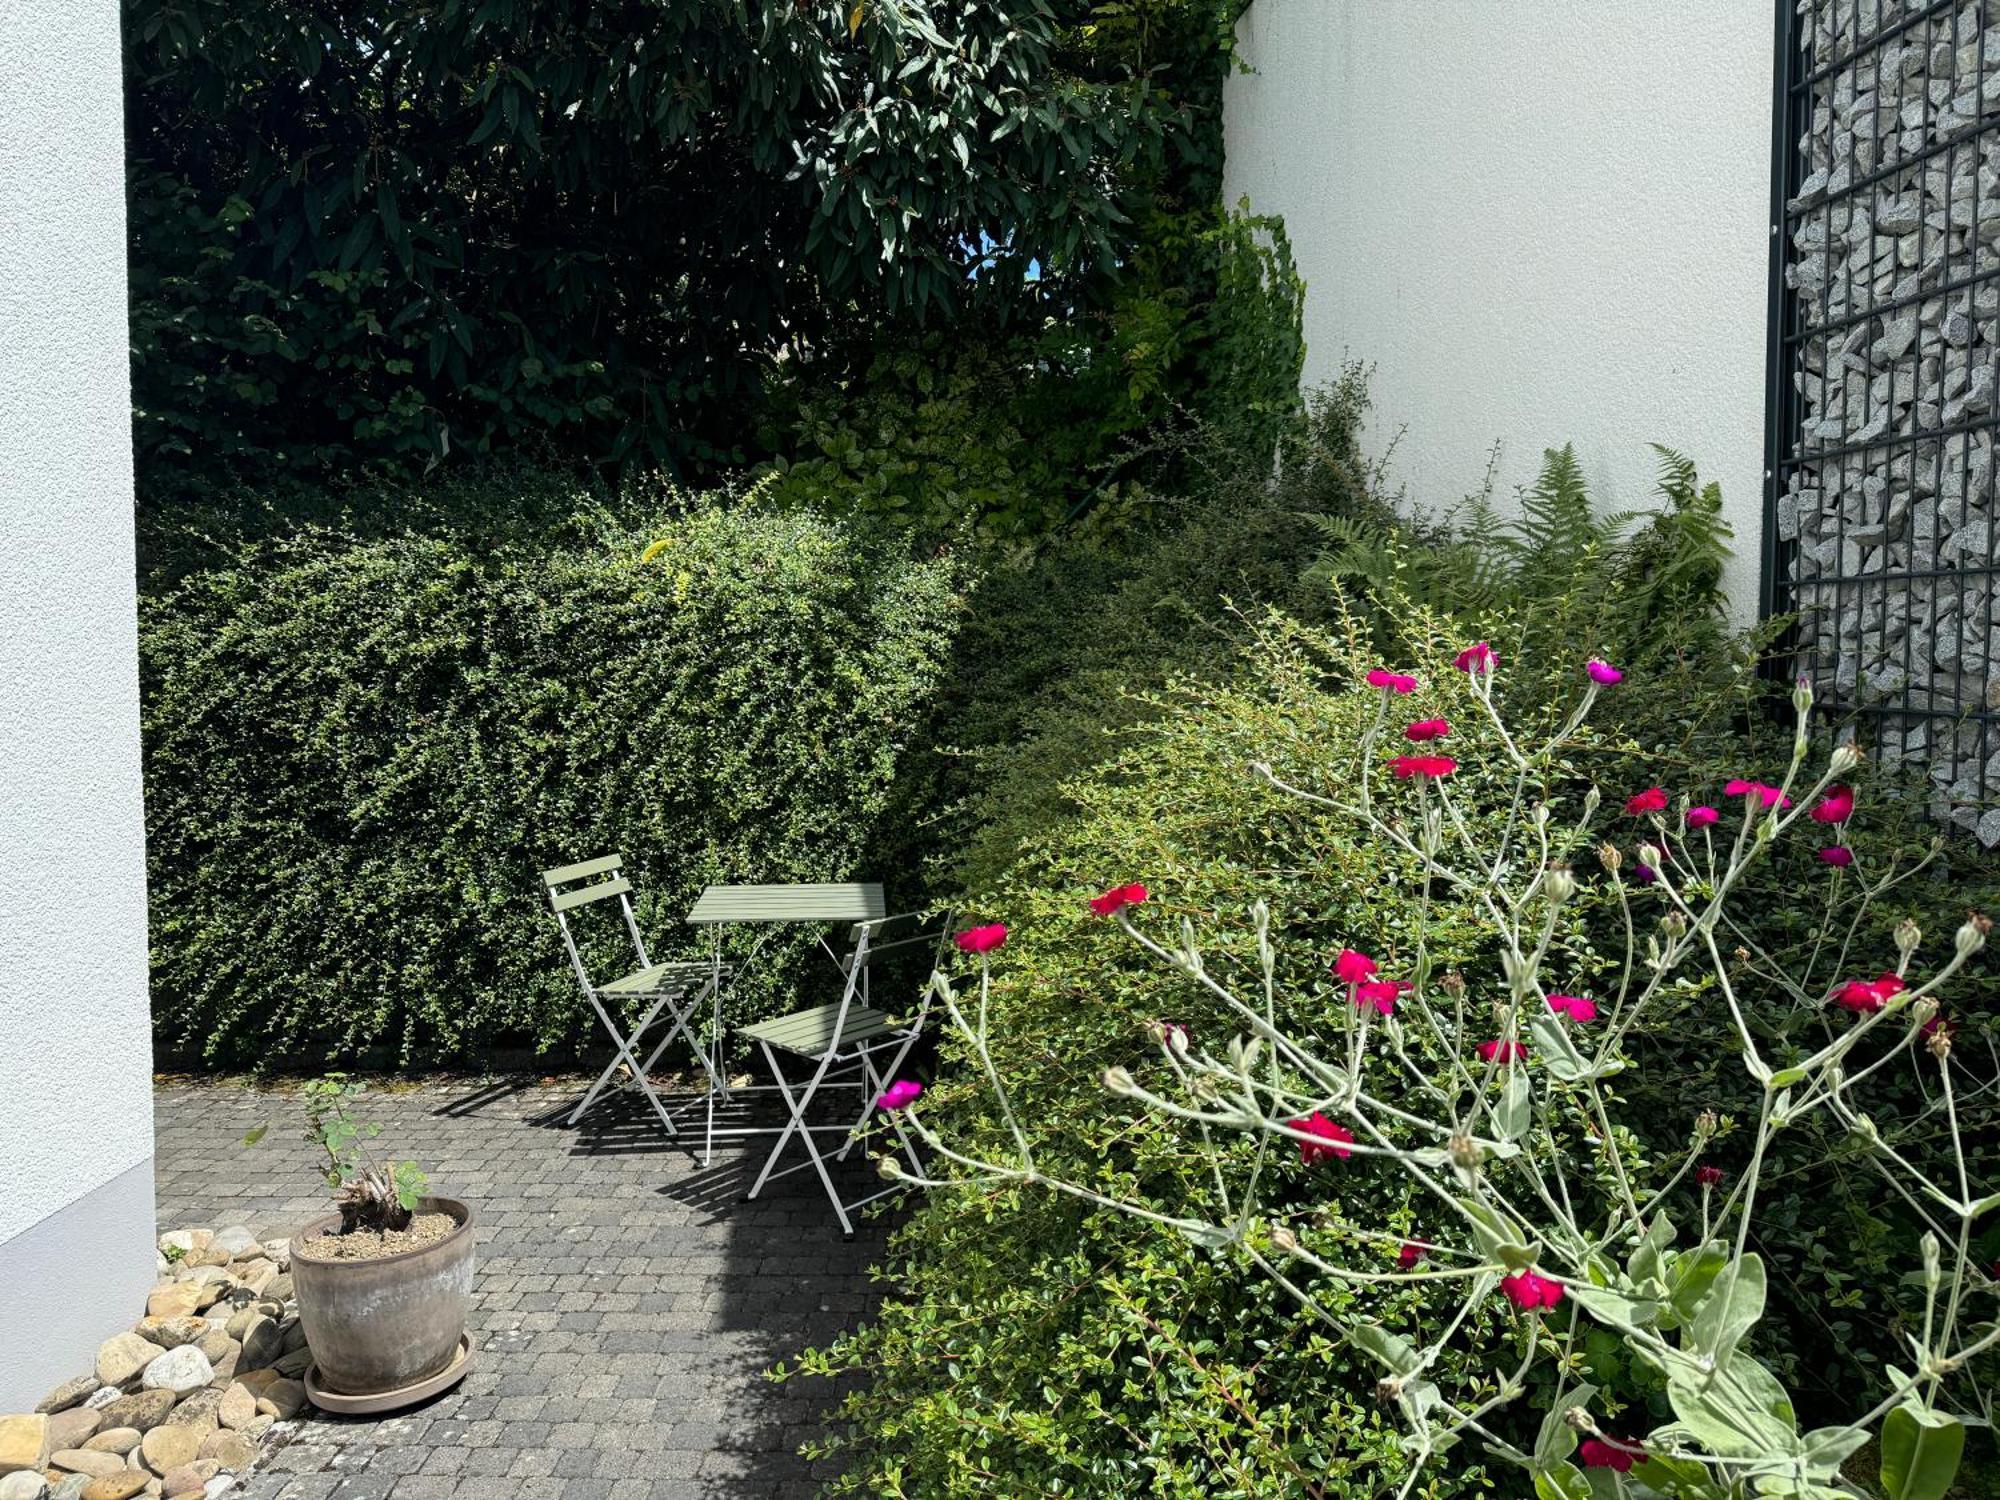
655	978
810	1032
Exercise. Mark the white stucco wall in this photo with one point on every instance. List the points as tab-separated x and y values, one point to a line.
1540	223
76	1130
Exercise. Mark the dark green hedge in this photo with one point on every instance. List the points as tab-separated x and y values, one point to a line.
360	752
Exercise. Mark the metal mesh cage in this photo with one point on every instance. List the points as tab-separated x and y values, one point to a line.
1885	345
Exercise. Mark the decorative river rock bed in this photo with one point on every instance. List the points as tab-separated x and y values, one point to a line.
182	1404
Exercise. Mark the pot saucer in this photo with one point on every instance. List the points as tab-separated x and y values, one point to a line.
345	1405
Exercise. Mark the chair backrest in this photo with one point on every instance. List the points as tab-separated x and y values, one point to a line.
897	936
570	887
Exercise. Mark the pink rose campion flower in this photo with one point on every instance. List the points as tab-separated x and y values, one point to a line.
1477	657
1576	1007
1422	767
1427	729
1865	997
1645	874
1768	795
1353	967
1117	899
1504	1051
1602	672
1380	993
1652	800
1393	682
1702	817
899	1095
1598	1454
1332	1140
1410	1254
1837	806
981	939
1708	1176
1936	1024
1837	855
1171	1029
1528	1291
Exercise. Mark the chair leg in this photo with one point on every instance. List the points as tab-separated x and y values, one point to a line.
798	1104
624	1054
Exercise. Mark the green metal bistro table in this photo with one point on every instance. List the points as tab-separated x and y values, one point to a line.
769	907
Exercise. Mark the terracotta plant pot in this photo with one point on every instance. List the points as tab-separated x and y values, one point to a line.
376	1326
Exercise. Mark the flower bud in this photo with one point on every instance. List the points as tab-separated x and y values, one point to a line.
1610	856
1590	800
1283	1240
1864	1131
1938	1043
1561	884
1972	936
1119	1081
1802	695
1908	935
1675	924
1580	1419
1465	1152
1844	759
1924	1009
1389	1390
1705	1123
1541	814
890	1168
1649	856
1453	983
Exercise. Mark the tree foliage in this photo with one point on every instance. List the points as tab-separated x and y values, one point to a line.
405	230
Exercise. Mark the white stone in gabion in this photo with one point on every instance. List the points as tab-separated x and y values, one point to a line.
178	1370
24	1484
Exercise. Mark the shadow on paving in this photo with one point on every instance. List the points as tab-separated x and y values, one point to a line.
627	1304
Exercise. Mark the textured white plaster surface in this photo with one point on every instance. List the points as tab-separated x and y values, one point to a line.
1540	223
75	1047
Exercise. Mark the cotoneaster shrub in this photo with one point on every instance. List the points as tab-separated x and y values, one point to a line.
360	752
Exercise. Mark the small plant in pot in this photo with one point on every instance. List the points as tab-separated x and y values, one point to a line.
382	1285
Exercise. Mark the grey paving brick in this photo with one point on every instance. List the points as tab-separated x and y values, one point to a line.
626	1305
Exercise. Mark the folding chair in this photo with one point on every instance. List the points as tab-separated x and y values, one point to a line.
848	1037
675	988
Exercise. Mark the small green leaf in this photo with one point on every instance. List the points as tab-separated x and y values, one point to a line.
254	1136
1921	1449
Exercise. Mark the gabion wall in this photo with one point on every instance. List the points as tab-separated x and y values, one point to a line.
1886	341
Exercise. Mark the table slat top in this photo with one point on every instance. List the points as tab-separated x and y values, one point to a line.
843	902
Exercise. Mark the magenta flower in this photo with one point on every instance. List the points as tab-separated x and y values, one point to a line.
899	1095
1427	729
1353	967
1528	1291
1477	657
1503	1051
1602	672
1410	1254
1837	806
981	939
1169	1029
1598	1454
1576	1007
1394	682
1117	899
1652	800
1702	817
1380	993
1838	855
1934	1025
1864	997
1422	767
1332	1142
1768	795
1645	874
1708	1176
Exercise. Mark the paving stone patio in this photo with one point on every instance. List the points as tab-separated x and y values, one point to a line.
626	1306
